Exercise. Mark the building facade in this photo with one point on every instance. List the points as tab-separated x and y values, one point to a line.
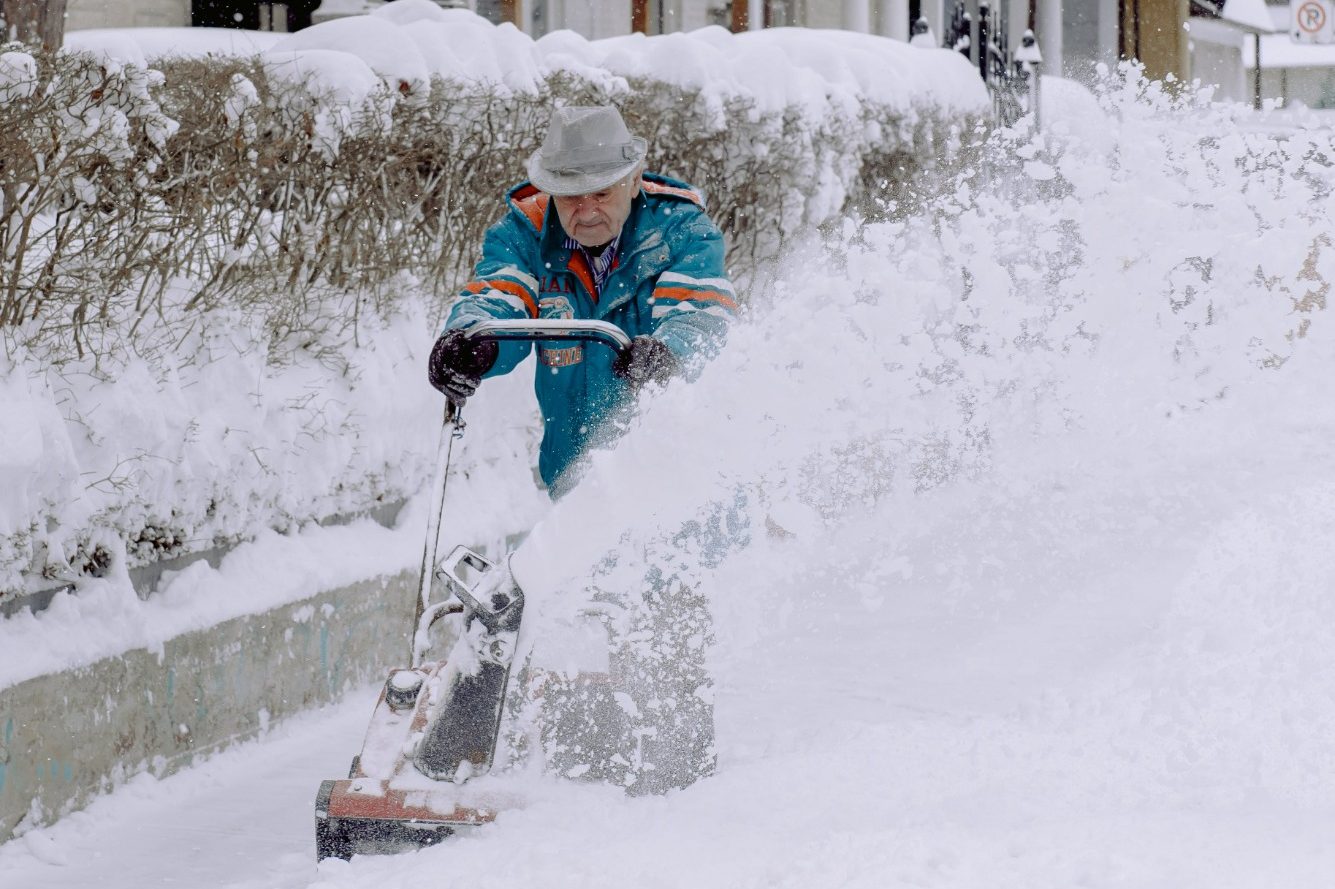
1260	58
82	14
254	15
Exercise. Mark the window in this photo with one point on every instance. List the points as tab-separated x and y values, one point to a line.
498	11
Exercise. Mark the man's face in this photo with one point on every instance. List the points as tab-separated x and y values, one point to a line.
594	219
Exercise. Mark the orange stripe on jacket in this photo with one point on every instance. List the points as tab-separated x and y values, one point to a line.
658	188
533	204
504	286
580	266
686	293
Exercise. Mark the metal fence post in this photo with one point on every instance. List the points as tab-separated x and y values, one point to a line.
1011	75
1030	61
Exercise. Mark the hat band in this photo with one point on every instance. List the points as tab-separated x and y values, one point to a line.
597	159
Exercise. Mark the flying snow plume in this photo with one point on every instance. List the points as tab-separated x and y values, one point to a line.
1012	512
1043	461
1094	293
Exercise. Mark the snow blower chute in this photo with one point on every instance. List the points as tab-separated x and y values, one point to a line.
436	723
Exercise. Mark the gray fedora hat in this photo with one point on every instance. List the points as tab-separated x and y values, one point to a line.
587	149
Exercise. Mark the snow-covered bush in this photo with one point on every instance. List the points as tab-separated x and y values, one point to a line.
308	173
81	137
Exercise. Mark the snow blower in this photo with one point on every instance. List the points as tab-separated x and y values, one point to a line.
436	723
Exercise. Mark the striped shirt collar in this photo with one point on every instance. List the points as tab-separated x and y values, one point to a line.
603	263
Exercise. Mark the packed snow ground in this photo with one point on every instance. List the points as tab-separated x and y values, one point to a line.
1035	582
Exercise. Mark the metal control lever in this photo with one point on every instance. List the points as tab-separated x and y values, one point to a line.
489	597
465	725
529	330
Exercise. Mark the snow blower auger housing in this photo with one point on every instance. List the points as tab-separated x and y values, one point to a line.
436	723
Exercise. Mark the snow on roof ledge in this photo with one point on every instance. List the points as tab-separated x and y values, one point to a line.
1251	16
136	44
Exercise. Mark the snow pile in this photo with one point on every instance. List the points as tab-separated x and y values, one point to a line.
781	68
375	41
130	44
18	76
216	451
337	93
406	41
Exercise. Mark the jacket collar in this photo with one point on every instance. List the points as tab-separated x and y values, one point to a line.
535	206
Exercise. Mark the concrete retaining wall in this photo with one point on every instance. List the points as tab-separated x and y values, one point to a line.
127	14
66	737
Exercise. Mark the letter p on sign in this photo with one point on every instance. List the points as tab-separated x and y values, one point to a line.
1312	21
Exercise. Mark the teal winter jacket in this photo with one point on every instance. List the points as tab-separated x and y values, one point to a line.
667	281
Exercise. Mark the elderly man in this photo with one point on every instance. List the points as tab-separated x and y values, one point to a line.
591	235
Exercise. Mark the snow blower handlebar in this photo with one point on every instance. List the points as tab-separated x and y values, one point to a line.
523	330
551	329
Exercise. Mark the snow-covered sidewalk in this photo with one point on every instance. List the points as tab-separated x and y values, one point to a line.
1029	708
245	816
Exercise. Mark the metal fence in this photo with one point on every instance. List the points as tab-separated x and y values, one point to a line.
1010	72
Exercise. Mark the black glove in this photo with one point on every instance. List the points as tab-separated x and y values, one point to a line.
457	364
646	359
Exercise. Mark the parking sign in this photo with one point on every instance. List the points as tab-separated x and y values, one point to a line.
1312	21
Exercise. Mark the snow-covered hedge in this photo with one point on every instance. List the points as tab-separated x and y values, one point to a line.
154	218
345	157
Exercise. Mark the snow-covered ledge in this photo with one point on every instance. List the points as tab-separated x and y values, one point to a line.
67	736
111	685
